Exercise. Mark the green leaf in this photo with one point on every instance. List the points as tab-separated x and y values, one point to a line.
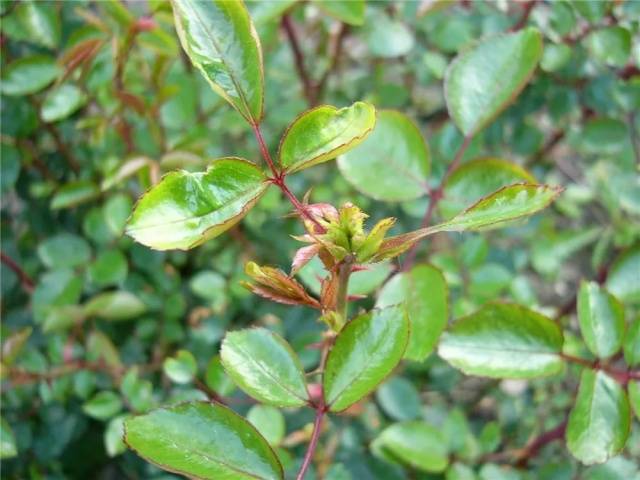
28	75
473	180
504	341
8	447
493	211
221	41
631	345
424	292
74	193
202	440
13	344
610	45
601	318
413	443
365	352
634	396
116	306
475	93
103	405
393	163
263	364
62	102
113	443
399	399
599	421
323	133
109	268
217	379
64	250
622	280
186	209
181	368
269	421
555	56
388	37
347	11
41	21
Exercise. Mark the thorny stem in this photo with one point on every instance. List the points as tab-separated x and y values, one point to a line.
279	176
313	443
434	199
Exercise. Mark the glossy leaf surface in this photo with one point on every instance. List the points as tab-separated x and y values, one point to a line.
392	163
28	75
324	133
601	318
221	41
116	306
62	102
622	280
503	341
181	368
365	352
263	364
487	77
186	209
499	208
414	443
473	180
598	424
202	440
424	292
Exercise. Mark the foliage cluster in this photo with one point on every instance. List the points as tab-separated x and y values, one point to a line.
208	269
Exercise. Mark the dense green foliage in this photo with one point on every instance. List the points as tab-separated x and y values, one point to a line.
190	282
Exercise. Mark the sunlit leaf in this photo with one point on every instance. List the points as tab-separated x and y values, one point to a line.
504	341
599	420
601	318
186	209
324	133
365	352
484	79
221	41
202	440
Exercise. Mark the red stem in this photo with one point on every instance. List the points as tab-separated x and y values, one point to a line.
25	280
434	198
278	179
317	426
621	376
531	450
308	87
528	7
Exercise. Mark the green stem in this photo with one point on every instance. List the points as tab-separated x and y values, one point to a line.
344	272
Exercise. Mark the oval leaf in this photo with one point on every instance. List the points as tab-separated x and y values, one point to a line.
424	292
366	350
347	11
221	41
504	341
263	364
393	163
632	344
599	421
186	209
601	318
202	440
508	203
473	180
495	210
116	306
413	443
476	94
28	75
324	133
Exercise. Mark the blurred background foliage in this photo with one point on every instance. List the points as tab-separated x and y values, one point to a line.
99	101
